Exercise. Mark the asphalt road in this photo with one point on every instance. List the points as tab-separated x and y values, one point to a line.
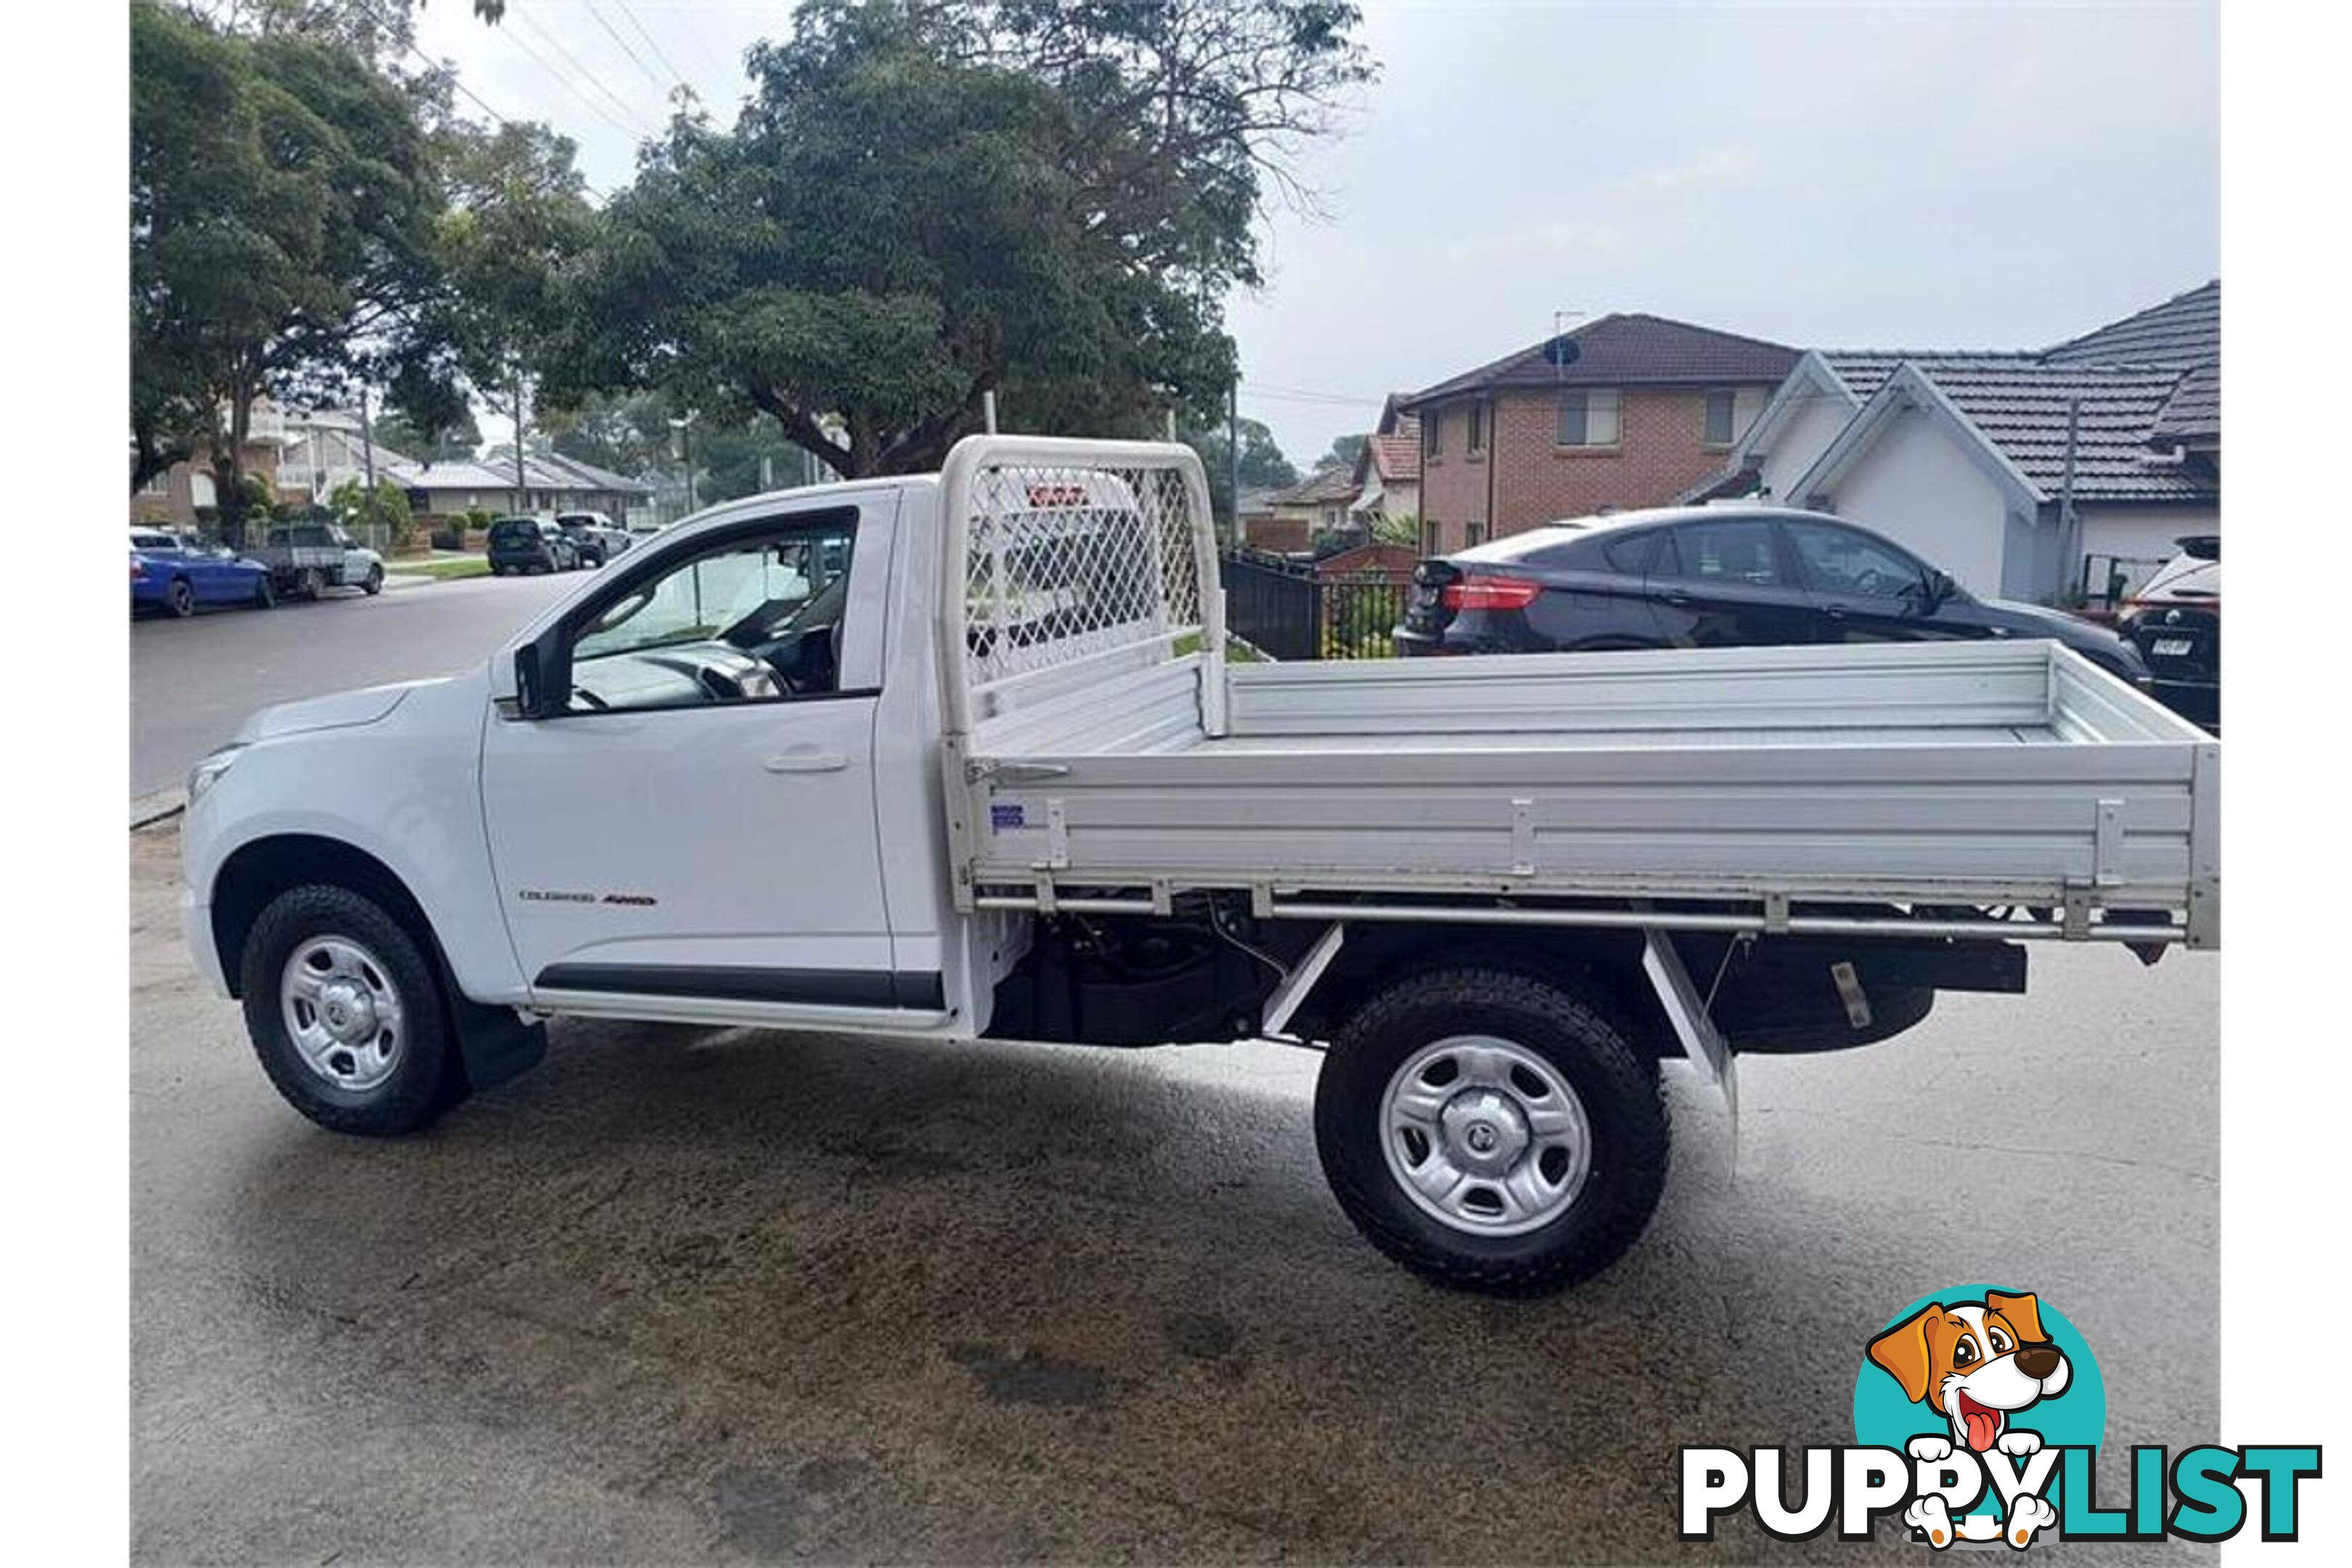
193	682
724	1295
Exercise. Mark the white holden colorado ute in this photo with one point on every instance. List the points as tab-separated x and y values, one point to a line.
967	755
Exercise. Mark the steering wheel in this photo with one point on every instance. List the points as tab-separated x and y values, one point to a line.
722	687
1871	584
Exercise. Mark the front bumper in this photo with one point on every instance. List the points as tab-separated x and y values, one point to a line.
197	931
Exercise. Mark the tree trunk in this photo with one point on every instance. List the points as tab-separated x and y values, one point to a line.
228	468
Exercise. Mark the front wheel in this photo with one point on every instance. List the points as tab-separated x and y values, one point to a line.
374	584
265	594
1489	1130
344	1010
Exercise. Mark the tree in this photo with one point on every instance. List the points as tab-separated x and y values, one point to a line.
1346	452
627	435
281	220
1263	465
927	201
349	503
518	217
455	440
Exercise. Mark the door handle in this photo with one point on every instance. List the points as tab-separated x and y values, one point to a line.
806	763
1834	612
1677	598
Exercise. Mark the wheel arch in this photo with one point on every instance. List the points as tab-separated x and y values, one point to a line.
494	1043
1600	967
258	871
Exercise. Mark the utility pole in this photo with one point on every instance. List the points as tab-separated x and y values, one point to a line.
519	496
367	459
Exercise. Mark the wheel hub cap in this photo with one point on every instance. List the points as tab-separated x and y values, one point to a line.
342	1013
1485	1135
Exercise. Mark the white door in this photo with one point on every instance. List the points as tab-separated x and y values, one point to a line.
693	813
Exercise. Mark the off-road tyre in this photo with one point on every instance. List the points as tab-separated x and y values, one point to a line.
429	1076
1617	1085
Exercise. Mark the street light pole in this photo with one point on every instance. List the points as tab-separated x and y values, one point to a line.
367	459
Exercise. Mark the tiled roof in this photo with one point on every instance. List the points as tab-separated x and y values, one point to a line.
2192	414
2182	333
1322	485
2021	406
1397	456
1629	350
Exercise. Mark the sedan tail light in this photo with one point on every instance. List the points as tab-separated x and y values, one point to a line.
1491	593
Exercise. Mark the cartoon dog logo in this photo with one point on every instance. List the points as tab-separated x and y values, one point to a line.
1978	1365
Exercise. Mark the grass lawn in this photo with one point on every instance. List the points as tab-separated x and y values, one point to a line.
444	567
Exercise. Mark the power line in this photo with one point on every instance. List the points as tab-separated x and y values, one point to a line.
458	83
516	13
639	29
623	44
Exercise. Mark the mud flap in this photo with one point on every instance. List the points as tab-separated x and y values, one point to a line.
1687	1011
498	1046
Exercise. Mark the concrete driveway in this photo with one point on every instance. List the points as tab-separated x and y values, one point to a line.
690	1294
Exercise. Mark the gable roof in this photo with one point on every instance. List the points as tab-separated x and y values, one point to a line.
2182	333
1633	349
1394	457
2014	411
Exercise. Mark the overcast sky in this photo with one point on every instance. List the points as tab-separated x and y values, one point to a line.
1977	176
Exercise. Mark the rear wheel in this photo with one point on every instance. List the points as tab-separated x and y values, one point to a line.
181	598
344	1010
314	584
1490	1131
263	595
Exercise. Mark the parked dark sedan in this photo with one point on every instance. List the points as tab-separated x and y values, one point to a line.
529	544
1711	577
2175	621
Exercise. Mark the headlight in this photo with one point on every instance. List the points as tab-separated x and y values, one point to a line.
207	773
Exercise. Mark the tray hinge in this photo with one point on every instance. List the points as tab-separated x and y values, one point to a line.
1523	837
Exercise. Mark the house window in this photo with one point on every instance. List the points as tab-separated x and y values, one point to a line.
1730	412
1478	428
1473	533
1718	431
1429	532
1430	422
160	485
1588	418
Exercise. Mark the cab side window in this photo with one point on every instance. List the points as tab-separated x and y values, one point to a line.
754	617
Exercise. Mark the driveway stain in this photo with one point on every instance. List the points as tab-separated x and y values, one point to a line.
1031	1377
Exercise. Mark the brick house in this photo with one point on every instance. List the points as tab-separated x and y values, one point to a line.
1625	411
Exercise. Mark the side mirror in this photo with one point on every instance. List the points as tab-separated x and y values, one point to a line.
537	680
1940	588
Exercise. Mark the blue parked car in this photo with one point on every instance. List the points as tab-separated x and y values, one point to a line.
170	572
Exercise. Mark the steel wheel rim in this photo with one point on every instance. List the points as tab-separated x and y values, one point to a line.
342	1013
1485	1136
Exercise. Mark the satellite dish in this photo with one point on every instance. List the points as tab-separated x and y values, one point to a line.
1562	350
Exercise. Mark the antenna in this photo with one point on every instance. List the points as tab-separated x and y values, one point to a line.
1560	351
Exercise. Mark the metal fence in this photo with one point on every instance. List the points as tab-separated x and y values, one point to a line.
1286	609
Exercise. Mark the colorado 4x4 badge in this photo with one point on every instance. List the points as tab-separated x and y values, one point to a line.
1977	1415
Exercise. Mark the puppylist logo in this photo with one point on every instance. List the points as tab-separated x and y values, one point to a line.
1978	1416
